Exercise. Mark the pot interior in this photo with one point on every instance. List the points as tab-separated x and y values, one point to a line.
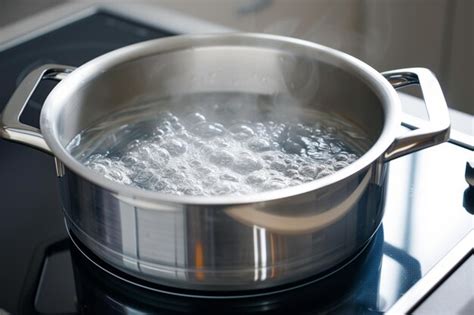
294	76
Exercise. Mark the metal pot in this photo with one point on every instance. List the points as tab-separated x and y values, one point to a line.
226	243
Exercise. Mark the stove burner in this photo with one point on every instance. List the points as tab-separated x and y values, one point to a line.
103	289
129	279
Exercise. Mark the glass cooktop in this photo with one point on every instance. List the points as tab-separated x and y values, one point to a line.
41	272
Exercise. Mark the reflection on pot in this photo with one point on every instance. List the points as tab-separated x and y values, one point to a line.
90	286
101	293
258	245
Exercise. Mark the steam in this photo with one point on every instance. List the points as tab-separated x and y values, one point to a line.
285	27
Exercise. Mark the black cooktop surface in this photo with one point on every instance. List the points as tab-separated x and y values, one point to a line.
42	272
30	208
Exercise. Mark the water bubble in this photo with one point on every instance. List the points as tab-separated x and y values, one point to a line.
99	168
260	128
159	132
339	165
175	147
192	191
292	147
293	165
241	131
142	177
196	154
223	189
177	126
274	184
129	160
155	155
208	130
292	173
278	166
268	157
166	187
229	177
259	145
309	171
221	143
179	178
195	118
204	170
301	179
245	164
173	119
324	173
255	179
206	149
134	144
321	145
222	158
335	148
166	125
195	163
139	166
168	172
302	130
209	180
117	175
161	185
342	157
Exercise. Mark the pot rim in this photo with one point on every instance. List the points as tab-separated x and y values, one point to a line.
372	78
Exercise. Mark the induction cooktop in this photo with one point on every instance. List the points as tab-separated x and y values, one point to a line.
427	213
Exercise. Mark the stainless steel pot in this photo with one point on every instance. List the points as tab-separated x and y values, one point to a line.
227	242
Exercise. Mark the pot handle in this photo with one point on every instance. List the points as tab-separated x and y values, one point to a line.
437	130
10	126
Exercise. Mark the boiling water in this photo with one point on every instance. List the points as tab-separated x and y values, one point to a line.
215	146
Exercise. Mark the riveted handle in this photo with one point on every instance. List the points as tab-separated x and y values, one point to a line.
10	126
437	130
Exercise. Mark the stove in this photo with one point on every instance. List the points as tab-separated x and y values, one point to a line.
428	212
